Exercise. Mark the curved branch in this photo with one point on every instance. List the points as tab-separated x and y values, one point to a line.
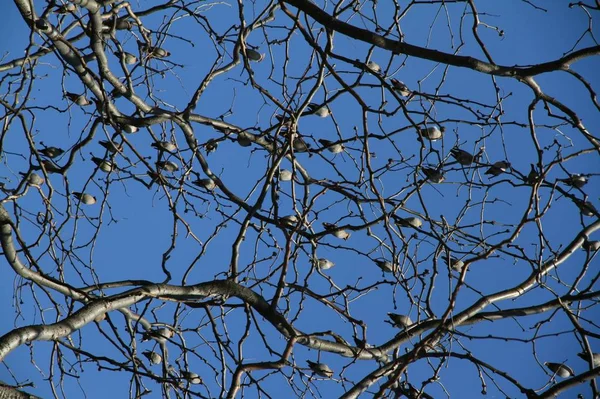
399	47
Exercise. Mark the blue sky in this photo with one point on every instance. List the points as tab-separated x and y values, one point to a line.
138	224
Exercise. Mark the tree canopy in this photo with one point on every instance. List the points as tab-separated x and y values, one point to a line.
277	199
